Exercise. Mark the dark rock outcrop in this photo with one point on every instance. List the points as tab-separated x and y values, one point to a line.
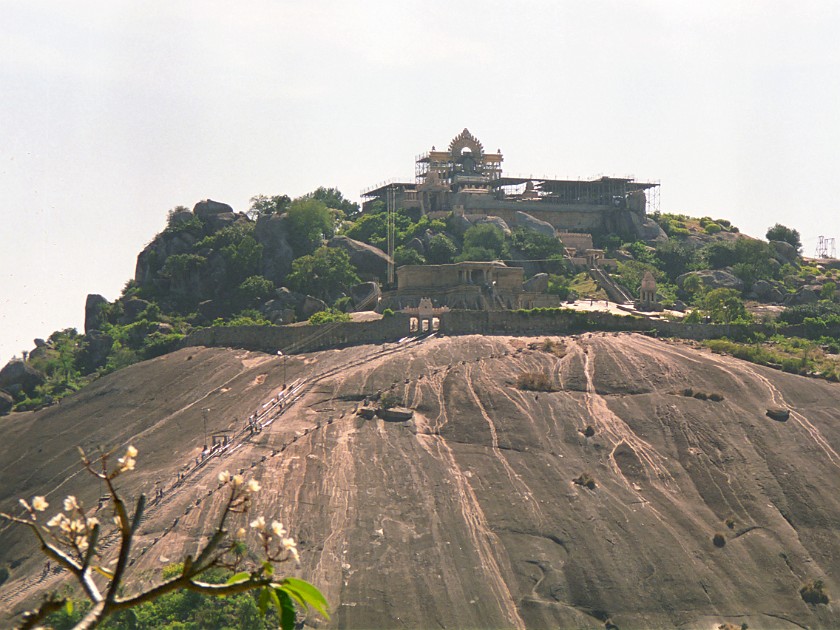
208	207
132	308
805	295
6	402
784	251
19	376
95	348
93	311
271	231
525	220
714	279
395	414
538	283
366	295
370	262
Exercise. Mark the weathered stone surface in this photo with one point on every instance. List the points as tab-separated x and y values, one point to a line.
93	308
525	220
371	263
767	291
366	295
395	414
497	222
482	494
784	251
714	279
309	306
95	348
6	402
271	231
538	283
805	295
216	222
132	308
208	207
17	376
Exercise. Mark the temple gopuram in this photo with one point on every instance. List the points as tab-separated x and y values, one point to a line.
467	179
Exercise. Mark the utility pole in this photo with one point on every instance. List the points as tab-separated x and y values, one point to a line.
392	227
204	415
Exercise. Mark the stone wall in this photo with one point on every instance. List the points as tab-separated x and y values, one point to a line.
296	338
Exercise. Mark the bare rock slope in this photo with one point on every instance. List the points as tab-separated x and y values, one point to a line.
592	505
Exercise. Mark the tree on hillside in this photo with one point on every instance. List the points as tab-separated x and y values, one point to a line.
482	242
724	306
324	274
72	539
333	198
310	222
781	233
261	204
441	250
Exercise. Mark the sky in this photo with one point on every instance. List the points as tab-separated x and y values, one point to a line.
111	113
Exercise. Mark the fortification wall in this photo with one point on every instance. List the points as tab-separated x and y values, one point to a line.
561	216
296	339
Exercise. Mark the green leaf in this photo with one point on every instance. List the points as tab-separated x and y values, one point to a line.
310	595
238	577
264	600
268	568
272	595
287	614
68	607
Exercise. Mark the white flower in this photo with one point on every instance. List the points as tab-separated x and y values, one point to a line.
25	505
278	529
253	485
126	463
70	504
131	452
117	520
40	504
55	520
240	533
92	521
290	546
258	523
224	476
238	480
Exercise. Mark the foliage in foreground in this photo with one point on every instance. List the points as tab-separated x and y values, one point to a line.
72	539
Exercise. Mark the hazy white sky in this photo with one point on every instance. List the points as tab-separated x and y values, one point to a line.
114	112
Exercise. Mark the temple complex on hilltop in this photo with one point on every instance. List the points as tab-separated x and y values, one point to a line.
468	180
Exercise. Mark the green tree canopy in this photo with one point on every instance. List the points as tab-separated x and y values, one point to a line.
323	274
483	242
724	306
310	221
441	250
781	233
333	198
262	204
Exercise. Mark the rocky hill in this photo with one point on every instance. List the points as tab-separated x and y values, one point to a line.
645	486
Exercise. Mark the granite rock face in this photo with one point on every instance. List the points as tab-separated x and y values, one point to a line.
371	262
18	375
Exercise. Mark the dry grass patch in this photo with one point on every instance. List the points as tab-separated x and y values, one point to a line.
535	382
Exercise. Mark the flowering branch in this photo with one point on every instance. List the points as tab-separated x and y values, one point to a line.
71	538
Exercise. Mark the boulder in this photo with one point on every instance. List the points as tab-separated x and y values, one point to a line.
366	412
714	279
132	307
366	295
537	284
93	312
278	313
19	376
417	245
395	414
460	224
785	252
494	221
272	233
780	414
525	220
216	222
805	295
208	208
40	343
309	306
94	350
371	263
767	291
6	402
